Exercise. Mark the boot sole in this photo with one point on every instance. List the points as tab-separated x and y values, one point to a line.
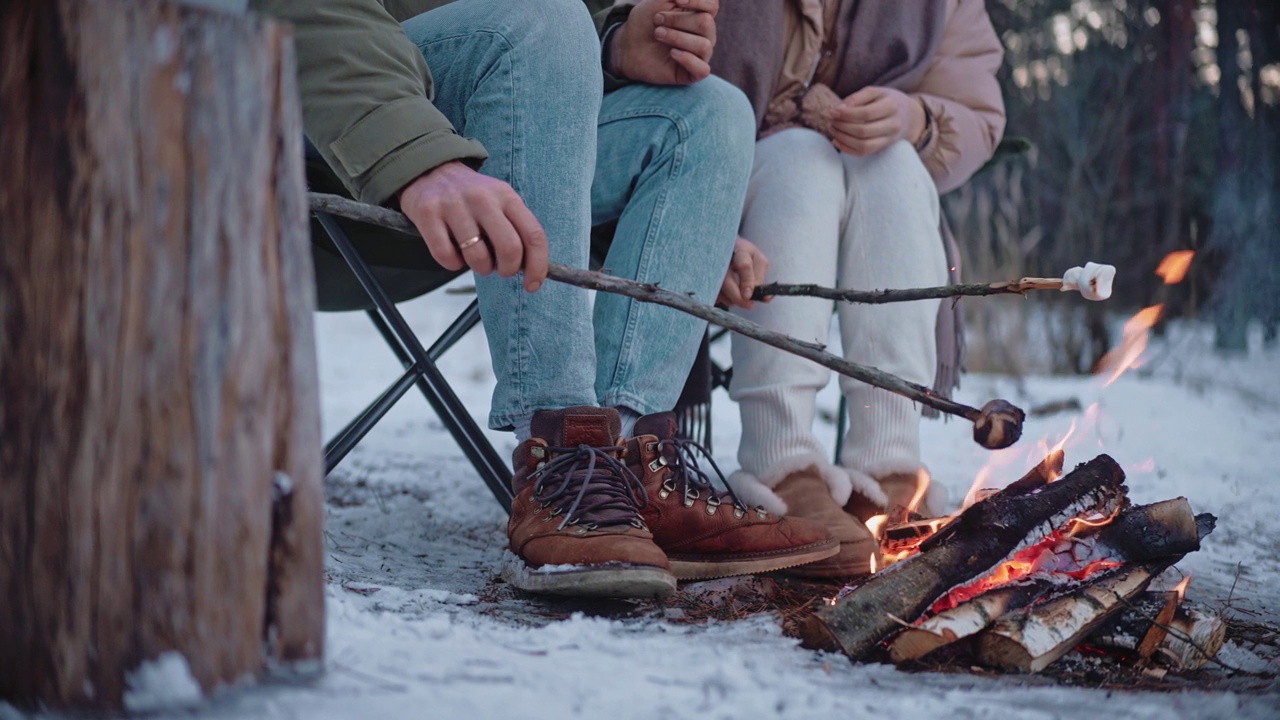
614	580
856	563
710	569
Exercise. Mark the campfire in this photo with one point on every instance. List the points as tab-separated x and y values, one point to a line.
1023	575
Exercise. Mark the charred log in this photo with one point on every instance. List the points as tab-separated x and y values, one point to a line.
977	540
1030	640
1139	534
965	620
1139	631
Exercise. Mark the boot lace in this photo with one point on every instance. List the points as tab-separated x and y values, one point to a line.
687	475
603	489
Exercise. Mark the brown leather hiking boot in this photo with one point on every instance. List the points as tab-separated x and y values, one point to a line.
808	496
707	533
575	526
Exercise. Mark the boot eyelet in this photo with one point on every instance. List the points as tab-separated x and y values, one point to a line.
739	513
669	485
711	509
663	494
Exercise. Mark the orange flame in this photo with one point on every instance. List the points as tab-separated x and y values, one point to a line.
922	486
876	523
1173	268
1181	588
1134	343
874	568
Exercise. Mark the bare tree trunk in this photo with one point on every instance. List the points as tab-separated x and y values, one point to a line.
157	363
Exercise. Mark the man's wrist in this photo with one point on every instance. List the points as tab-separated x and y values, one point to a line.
609	60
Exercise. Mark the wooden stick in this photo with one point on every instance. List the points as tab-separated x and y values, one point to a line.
998	424
878	297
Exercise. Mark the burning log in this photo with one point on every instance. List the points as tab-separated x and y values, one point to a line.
976	541
1139	534
1136	631
1031	639
965	620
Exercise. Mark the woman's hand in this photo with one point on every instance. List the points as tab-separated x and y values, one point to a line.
746	272
874	118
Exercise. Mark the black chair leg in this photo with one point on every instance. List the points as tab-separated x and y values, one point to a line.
455	417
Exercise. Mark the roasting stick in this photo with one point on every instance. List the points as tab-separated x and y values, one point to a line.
998	424
1093	282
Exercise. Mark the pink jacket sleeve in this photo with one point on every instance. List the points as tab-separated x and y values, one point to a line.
962	94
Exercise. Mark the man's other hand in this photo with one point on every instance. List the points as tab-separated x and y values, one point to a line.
472	220
665	42
746	273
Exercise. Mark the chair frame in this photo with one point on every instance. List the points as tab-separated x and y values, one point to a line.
419	370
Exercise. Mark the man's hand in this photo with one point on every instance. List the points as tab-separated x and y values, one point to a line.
746	272
472	220
874	118
665	42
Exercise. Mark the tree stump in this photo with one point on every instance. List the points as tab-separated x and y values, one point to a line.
160	481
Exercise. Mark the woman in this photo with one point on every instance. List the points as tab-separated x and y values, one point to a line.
866	111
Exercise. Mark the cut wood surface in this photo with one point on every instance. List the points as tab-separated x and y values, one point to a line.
157	362
977	540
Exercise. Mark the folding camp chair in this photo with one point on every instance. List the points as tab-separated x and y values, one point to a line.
370	268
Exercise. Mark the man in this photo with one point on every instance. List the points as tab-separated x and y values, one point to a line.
541	156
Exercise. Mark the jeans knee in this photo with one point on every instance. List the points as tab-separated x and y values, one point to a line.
721	118
555	38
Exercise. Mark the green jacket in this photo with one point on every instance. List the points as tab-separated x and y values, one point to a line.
366	91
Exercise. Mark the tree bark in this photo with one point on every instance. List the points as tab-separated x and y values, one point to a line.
157	362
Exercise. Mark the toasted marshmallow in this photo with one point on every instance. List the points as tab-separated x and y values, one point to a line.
1093	281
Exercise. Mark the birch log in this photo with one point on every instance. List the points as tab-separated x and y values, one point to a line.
157	362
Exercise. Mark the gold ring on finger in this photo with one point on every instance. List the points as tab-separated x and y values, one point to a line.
468	242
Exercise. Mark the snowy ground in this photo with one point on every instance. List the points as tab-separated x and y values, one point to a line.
419	628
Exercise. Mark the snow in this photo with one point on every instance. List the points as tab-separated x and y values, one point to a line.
418	627
161	684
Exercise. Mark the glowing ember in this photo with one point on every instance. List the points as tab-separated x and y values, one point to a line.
1078	525
1022	565
1173	268
874	568
1136	331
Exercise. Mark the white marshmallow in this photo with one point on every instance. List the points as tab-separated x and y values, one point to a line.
1093	281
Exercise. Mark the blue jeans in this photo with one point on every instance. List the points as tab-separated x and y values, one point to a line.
670	164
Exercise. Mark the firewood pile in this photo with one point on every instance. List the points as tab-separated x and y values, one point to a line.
1023	575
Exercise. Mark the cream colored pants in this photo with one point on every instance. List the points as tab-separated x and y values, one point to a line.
836	220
